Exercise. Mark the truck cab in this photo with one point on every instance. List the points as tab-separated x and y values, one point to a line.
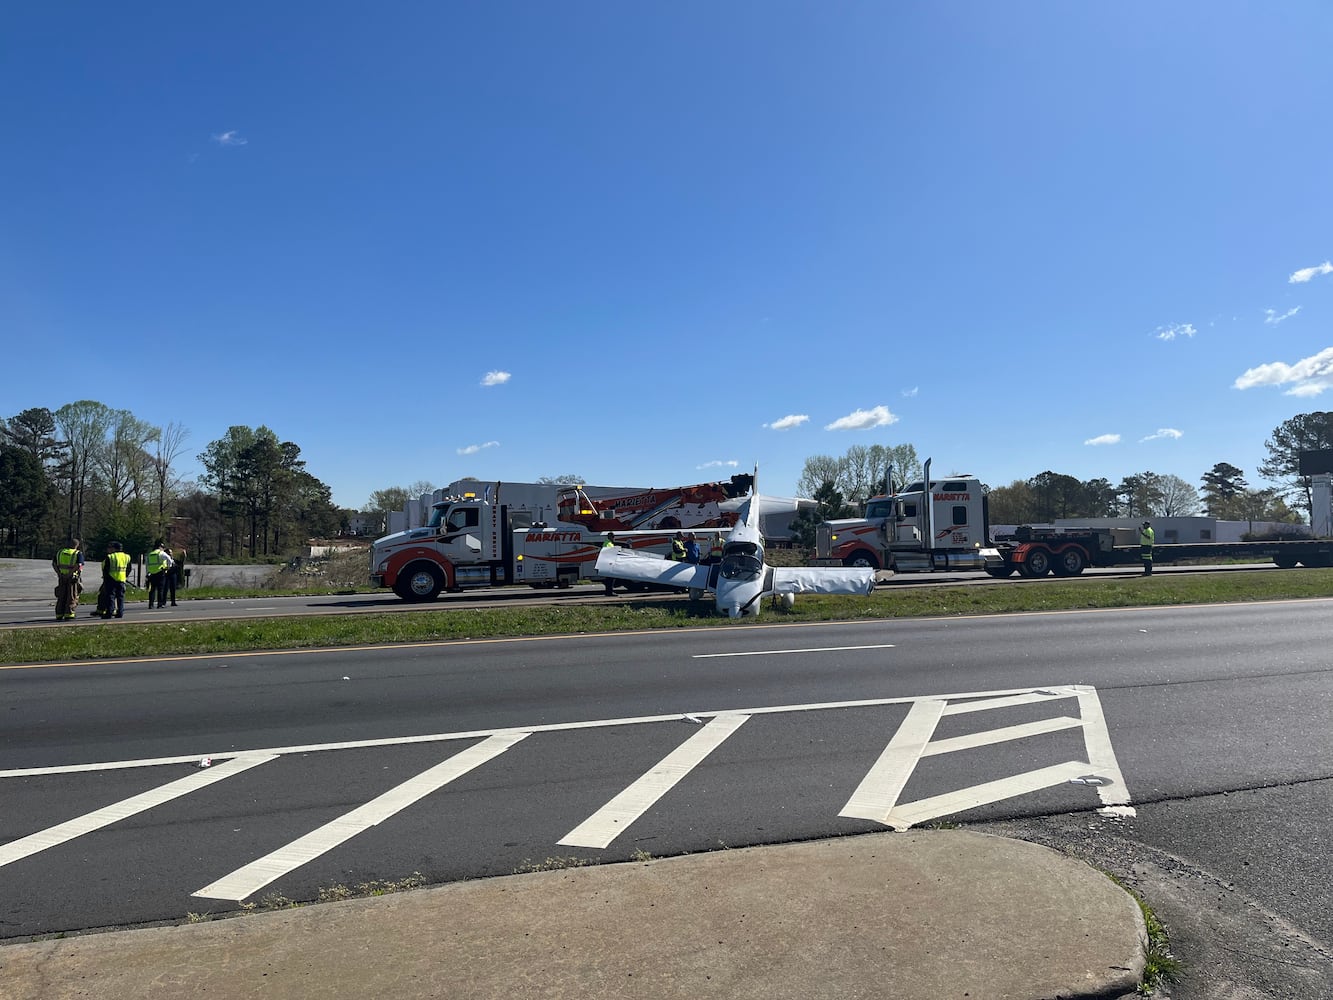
914	530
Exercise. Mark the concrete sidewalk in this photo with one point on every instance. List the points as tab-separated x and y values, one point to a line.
922	915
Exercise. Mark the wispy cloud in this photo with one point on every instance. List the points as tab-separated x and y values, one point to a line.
863	420
1175	330
911	393
472	449
718	464
788	422
1307	377
496	378
232	138
1103	439
1272	318
1306	273
1164	432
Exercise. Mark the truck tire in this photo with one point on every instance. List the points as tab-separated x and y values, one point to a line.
1285	560
861	559
1000	572
1037	564
1070	562
419	582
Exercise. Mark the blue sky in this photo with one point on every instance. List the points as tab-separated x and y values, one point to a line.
656	244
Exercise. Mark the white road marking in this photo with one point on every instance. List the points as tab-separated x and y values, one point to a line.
906	815
555	727
254	876
781	652
614	818
1115	794
875	797
56	835
974	740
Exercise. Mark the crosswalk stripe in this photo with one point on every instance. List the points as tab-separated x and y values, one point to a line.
53	836
910	813
883	783
614	818
251	878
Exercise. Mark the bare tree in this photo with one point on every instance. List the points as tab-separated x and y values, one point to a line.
1178	498
83	426
168	446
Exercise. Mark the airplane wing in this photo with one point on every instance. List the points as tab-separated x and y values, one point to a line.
623	564
822	580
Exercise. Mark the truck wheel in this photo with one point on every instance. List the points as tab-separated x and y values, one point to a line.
861	559
421	582
1037	563
1000	572
1070	562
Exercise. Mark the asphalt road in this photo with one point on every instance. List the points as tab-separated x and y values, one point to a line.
474	759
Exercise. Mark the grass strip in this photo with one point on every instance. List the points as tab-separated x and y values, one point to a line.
119	639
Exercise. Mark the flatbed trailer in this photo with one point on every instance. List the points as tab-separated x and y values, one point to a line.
1034	552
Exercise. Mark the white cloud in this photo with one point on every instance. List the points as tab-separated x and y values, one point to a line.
472	449
1103	439
716	464
496	378
1176	330
232	138
911	393
1273	319
863	420
788	422
1306	273
1164	432
1307	377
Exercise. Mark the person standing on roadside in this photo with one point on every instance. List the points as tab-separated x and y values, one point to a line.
1146	539
175	575
607	582
115	571
692	553
159	565
677	553
68	564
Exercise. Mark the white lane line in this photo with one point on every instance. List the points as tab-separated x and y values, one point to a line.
910	813
1026	694
781	652
53	836
614	818
1114	795
254	876
1019	732
878	792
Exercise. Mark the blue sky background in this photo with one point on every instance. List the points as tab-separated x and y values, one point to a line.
1043	235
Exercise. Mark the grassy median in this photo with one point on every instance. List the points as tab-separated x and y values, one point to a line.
117	639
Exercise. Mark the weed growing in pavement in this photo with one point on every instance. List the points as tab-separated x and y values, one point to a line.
641	855
551	865
1160	967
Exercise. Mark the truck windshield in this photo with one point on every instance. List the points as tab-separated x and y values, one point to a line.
879	508
437	515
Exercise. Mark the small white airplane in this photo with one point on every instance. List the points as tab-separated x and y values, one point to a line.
742	579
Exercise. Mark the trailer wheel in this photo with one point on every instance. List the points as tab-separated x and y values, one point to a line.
861	559
1037	563
1284	560
1070	562
421	582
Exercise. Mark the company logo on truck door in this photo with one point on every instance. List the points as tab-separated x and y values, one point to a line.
956	497
554	536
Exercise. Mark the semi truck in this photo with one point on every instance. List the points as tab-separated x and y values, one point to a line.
478	541
944	524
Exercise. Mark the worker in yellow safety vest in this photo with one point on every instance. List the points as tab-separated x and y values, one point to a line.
1146	539
715	550
68	564
115	571
607	582
677	548
159	565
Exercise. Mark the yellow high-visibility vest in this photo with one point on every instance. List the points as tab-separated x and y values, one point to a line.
120	565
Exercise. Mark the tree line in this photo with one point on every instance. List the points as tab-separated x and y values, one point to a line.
89	471
840	484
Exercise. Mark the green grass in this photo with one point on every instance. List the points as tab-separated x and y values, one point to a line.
432	623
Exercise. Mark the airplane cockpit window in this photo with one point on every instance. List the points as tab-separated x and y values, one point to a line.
742	562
